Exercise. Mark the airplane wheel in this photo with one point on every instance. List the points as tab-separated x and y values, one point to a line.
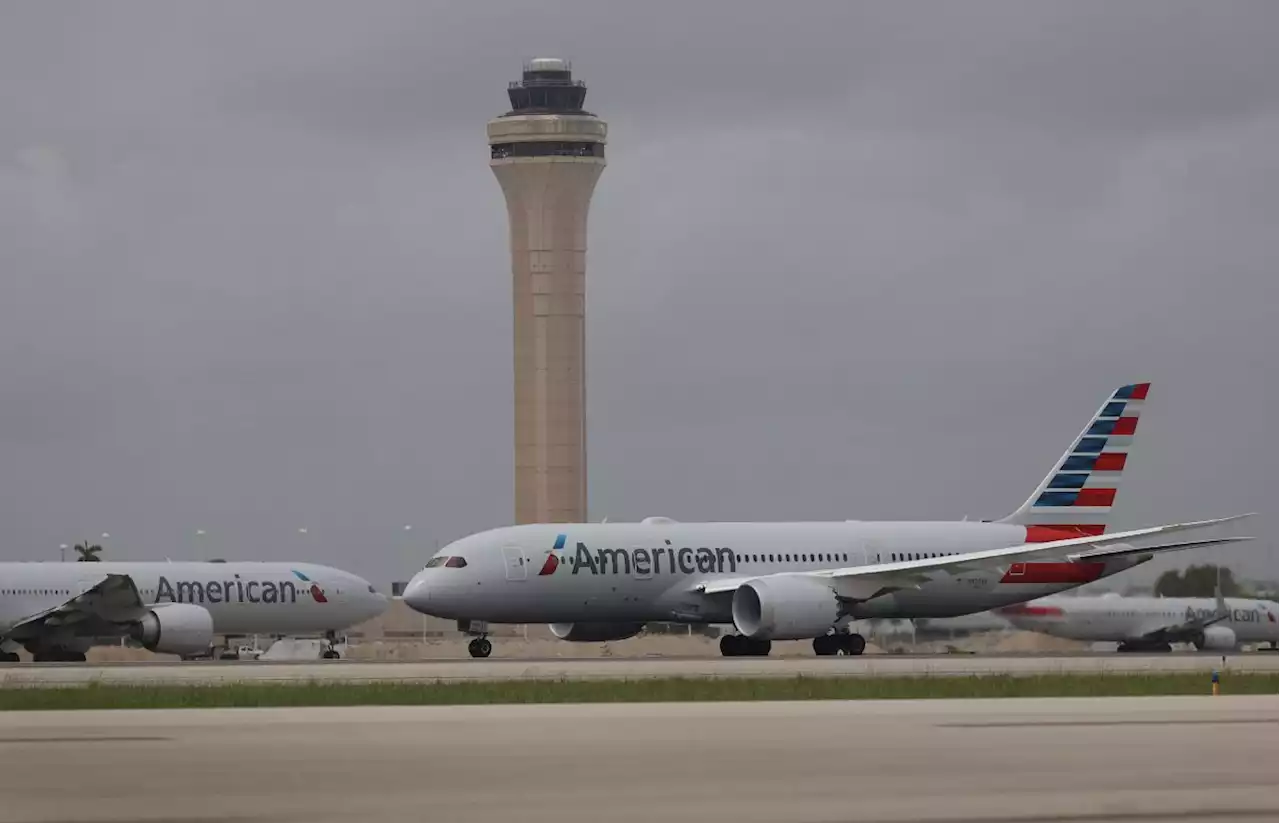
826	645
480	647
9	657
761	648
331	654
58	656
852	643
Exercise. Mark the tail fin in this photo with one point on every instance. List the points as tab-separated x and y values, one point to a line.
1077	496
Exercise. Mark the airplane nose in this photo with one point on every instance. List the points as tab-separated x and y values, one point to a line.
417	594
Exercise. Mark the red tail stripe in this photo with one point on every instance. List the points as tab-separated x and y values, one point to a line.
1110	462
1125	425
1095	497
1047	534
1033	611
1064	572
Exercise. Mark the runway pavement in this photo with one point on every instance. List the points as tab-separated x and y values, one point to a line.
1096	760
216	672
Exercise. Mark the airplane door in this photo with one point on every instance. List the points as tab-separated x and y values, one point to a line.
517	564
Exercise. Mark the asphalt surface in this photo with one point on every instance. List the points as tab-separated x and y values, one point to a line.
1095	760
342	671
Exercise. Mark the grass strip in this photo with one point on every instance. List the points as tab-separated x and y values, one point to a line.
648	690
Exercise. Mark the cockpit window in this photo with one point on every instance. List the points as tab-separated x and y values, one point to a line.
447	562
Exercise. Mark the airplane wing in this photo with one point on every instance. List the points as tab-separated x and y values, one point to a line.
99	609
865	582
1182	632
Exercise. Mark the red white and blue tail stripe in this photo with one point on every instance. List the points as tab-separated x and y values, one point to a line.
1077	496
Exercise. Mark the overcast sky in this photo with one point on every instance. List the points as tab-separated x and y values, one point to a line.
848	260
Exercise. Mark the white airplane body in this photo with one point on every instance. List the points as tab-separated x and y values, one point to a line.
775	581
1151	623
58	610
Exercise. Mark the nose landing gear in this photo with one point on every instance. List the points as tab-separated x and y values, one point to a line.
331	653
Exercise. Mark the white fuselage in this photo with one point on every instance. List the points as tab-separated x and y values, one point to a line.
1121	619
243	598
644	572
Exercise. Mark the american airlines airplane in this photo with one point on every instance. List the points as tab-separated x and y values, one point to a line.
1150	623
794	581
58	610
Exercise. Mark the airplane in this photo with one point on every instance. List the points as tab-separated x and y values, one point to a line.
1147	624
596	582
56	611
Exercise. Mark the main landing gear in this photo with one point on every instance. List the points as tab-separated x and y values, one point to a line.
738	645
55	655
831	644
9	657
480	647
1144	647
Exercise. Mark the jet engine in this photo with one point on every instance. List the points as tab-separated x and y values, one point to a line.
1216	638
785	608
178	628
595	632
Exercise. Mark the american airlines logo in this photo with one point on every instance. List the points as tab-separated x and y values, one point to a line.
1234	615
666	559
237	590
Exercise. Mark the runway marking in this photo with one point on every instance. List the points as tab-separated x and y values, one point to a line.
1173	721
1100	817
81	739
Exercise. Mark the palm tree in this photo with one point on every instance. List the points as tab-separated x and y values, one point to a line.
88	553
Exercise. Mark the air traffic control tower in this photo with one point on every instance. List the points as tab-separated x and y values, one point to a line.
547	153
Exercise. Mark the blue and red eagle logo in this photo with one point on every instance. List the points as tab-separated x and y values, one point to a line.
553	560
317	593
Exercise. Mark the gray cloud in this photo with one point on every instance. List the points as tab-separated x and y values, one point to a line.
855	261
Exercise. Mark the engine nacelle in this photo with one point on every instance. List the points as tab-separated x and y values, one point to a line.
785	608
1216	638
595	632
178	628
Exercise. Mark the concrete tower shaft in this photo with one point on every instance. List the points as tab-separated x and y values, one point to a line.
547	154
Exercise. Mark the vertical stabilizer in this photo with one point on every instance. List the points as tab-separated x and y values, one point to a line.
1076	498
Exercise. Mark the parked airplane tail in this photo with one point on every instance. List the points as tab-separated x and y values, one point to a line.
1077	496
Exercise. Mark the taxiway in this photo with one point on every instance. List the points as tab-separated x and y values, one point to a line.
342	671
1099	759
